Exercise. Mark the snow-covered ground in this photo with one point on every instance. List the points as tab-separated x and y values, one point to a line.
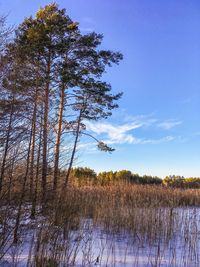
93	245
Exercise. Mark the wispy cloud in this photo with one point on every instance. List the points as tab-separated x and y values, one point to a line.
127	131
115	133
120	134
169	124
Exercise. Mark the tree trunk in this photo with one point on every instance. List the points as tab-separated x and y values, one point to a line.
58	137
74	150
34	199
45	130
11	176
32	157
6	145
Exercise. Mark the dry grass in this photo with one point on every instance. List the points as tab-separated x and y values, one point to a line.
148	217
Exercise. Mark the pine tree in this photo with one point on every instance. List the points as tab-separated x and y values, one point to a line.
65	67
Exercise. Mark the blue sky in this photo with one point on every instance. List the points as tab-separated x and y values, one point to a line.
156	130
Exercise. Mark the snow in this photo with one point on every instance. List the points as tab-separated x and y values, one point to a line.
93	245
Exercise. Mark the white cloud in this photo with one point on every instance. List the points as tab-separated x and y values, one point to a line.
149	120
124	133
116	134
119	134
167	125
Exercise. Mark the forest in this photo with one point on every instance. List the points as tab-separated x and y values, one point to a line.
53	213
84	175
50	85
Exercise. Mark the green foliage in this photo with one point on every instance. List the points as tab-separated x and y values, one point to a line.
86	175
192	182
104	147
147	179
174	181
106	177
124	175
181	182
83	176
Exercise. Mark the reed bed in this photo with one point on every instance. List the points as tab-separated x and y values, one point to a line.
113	225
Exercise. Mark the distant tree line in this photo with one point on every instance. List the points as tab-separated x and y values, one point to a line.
84	176
181	182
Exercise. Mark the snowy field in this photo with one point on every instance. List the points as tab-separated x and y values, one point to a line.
177	244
